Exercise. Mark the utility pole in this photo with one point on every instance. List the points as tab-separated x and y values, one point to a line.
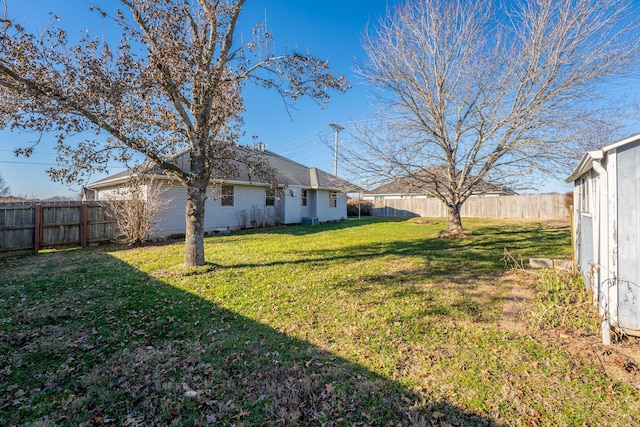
337	128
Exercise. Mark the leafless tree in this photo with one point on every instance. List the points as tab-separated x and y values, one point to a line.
135	208
487	90
5	190
172	82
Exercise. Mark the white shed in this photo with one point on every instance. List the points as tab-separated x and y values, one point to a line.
607	231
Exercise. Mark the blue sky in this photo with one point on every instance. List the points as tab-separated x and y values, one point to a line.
328	29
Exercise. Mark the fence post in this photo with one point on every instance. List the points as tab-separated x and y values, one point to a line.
38	229
84	225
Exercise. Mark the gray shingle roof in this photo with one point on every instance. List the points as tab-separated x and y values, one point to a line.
288	172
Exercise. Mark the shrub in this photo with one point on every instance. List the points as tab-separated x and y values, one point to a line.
365	207
134	209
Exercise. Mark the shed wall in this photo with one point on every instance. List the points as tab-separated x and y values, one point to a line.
628	238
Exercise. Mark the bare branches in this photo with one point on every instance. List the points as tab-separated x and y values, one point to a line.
483	89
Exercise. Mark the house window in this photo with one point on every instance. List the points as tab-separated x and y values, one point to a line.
304	197
333	199
226	195
270	199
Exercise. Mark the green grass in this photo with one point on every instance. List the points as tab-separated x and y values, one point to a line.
364	322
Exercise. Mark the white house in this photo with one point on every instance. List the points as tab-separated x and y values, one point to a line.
607	231
308	195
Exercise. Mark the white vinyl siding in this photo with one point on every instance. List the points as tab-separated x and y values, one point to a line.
172	220
325	213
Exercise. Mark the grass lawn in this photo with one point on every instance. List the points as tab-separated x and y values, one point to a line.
364	322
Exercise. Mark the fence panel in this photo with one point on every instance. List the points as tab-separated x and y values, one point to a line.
100	226
17	226
31	225
527	206
61	225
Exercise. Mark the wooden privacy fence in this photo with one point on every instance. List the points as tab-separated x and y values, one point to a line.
33	226
527	206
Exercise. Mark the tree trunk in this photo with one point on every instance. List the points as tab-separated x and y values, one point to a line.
455	221
454	228
194	236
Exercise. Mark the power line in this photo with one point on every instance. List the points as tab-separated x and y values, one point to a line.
50	164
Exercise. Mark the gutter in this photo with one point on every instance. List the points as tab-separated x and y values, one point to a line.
603	255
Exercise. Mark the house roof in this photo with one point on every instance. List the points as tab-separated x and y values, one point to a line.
414	185
288	173
586	162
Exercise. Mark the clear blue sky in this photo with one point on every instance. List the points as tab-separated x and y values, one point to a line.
328	29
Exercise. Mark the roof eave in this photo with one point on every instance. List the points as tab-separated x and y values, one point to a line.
110	182
585	164
622	142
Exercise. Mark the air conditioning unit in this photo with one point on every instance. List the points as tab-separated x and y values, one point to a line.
310	220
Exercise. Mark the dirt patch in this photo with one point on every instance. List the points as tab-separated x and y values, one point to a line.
512	315
620	361
462	234
423	221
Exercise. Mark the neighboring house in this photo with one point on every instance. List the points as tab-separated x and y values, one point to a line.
308	195
412	187
607	231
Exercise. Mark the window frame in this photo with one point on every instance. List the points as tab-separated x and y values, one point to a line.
270	197
333	199
304	197
227	199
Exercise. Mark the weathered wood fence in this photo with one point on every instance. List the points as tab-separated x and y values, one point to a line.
527	206
33	226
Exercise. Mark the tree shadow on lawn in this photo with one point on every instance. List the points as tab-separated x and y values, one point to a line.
302	230
471	270
457	261
551	241
89	340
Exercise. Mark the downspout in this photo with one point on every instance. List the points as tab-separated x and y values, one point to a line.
603	255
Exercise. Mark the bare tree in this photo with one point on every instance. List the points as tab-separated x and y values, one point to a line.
135	208
172	82
487	90
5	190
